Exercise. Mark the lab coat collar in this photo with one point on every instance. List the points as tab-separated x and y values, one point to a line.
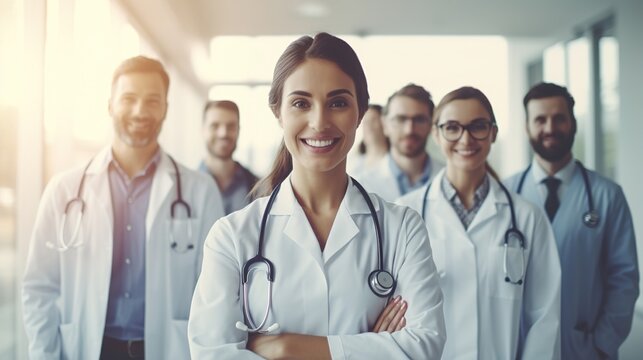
344	228
102	159
162	183
353	200
489	206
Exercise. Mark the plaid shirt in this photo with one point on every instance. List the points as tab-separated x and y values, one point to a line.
466	216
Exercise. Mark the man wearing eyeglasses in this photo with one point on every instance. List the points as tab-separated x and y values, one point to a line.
407	124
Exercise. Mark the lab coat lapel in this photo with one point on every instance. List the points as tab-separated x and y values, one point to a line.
344	228
297	227
97	183
442	208
161	185
489	207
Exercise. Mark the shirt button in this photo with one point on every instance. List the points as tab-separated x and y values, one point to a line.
127	295
130	200
127	261
129	227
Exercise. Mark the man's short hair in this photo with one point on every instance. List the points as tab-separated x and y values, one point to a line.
141	64
223	104
547	90
415	92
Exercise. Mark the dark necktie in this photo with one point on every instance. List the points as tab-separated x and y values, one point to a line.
552	203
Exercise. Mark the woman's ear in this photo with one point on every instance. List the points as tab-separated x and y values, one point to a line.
277	115
494	133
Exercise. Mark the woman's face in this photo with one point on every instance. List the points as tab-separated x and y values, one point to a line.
467	153
319	115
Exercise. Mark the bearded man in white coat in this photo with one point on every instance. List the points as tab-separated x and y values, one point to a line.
117	244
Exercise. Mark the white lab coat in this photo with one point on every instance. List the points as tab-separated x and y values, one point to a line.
380	179
483	312
65	294
319	293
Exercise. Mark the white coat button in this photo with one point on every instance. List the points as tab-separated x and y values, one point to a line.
127	295
129	227
127	261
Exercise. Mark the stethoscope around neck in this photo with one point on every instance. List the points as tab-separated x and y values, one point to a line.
590	218
380	281
75	241
512	235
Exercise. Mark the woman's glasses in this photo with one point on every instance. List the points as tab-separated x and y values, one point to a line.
478	129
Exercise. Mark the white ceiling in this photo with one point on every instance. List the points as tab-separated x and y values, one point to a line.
182	29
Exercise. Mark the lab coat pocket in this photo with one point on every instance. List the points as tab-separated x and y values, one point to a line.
177	344
183	264
69	341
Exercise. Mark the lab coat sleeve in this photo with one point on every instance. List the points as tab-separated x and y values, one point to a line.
212	211
541	297
622	277
41	282
418	283
216	304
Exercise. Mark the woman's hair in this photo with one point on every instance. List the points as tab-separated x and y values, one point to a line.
322	46
467	93
464	93
361	148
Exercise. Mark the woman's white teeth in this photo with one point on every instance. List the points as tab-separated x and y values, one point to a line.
467	152
318	143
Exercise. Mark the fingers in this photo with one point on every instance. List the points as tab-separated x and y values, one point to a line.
392	317
389	307
398	317
401	325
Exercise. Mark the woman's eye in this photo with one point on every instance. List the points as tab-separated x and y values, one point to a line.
338	103
452	127
301	104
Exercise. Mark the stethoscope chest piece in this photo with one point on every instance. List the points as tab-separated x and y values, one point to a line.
382	283
591	219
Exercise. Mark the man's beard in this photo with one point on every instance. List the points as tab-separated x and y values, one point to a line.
556	152
137	139
220	154
412	152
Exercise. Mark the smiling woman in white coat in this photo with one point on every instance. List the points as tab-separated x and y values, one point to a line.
495	252
332	273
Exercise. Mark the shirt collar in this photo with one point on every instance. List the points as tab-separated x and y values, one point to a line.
398	173
149	168
451	193
564	175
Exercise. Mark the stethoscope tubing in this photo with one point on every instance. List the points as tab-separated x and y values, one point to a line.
590	218
73	243
512	230
380	289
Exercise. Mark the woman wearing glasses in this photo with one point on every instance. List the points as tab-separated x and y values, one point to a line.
495	252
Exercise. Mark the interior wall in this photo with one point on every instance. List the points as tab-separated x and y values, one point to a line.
629	174
515	146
